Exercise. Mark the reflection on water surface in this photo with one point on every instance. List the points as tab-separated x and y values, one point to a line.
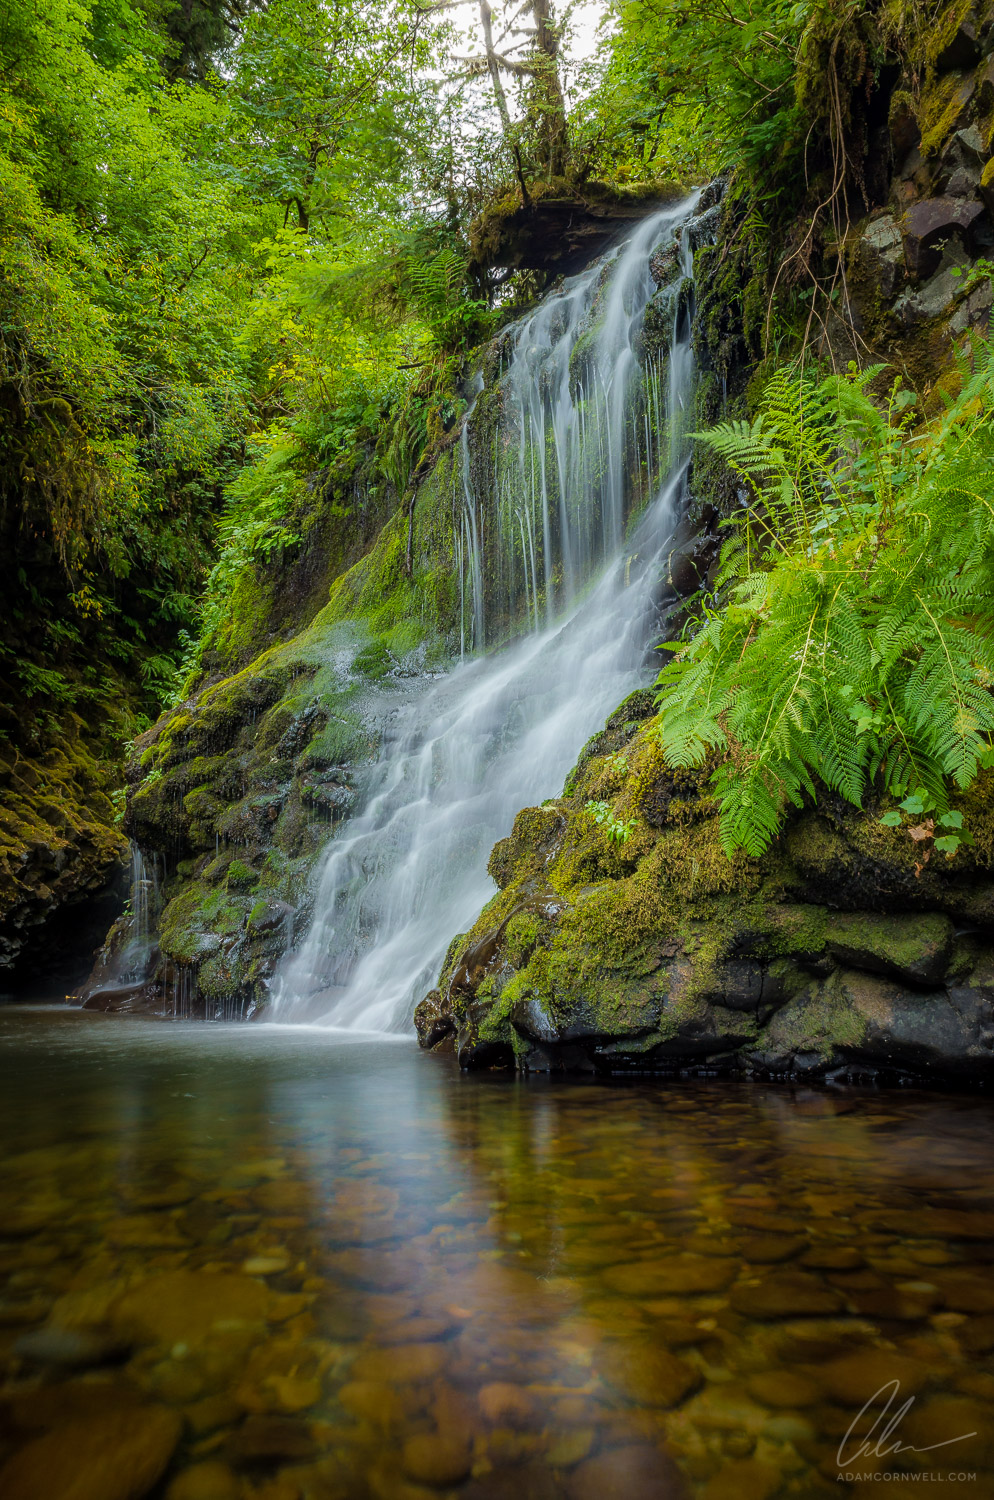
274	1264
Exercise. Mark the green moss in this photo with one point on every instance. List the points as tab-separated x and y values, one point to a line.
939	109
817	1022
240	874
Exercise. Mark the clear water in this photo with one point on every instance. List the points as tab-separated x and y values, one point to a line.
500	732
282	1263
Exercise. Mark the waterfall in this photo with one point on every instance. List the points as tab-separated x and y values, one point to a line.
585	487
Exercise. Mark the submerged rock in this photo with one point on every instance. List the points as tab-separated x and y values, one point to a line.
116	1455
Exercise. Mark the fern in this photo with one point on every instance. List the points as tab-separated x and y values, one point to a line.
855	642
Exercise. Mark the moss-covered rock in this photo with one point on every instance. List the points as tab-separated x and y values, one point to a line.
659	953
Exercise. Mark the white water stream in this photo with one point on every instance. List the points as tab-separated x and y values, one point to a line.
462	755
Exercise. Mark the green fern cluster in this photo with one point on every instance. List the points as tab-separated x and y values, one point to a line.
855	640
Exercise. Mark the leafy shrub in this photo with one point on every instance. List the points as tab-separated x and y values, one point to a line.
854	641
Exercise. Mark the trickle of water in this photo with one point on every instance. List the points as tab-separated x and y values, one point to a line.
579	447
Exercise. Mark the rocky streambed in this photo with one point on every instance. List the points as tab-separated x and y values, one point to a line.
243	1263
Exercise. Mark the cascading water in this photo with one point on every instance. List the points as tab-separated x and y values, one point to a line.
580	447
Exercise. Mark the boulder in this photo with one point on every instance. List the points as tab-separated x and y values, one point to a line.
913	948
941	1031
880	255
937	220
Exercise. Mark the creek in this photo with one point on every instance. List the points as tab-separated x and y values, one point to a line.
277	1263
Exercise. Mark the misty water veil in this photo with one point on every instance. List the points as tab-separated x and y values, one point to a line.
582	564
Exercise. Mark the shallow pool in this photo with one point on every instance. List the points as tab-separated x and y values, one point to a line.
261	1263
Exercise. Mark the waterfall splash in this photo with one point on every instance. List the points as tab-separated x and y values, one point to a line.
580	447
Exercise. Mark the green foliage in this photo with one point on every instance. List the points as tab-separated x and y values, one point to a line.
855	640
618	830
699	86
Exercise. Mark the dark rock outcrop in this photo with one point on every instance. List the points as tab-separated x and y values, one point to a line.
848	951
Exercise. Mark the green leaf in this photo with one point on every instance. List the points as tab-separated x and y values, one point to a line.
892	819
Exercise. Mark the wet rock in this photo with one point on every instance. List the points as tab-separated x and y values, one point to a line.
649	1375
400	1364
211	1480
75	1401
784	1388
832	1258
117	1455
436	1459
433	1021
747	1479
902	122
266	1439
183	1306
503	1403
269	917
955	1428
864	1375
915	948
664	263
372	1401
789	1294
771	1249
947	1030
55	1345
933	221
211	1413
623	1473
690	1275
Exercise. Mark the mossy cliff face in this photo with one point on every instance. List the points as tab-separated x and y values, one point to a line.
848	950
240	787
61	852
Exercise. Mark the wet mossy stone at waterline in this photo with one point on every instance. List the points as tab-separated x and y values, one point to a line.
836	954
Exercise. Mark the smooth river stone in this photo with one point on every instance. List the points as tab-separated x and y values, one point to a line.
648	1375
146	1232
399	1364
748	1479
936	1224
857	1378
636	1472
117	1455
436	1458
211	1480
690	1275
789	1294
771	1249
262	1438
183	1306
74	1401
71	1347
832	1258
284	1197
783	1388
966	1292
